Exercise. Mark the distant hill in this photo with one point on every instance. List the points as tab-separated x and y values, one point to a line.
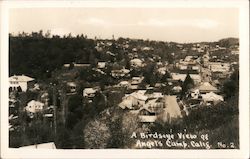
227	42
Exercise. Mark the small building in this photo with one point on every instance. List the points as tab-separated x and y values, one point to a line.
135	82
206	87
101	65
120	73
134	100
177	89
34	106
147	48
219	67
19	82
212	97
89	92
136	63
147	116
162	70
124	84
71	87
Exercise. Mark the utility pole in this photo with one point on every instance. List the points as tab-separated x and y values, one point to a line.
55	109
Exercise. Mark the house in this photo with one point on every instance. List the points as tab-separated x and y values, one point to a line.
235	52
120	73
146	105
162	70
21	82
212	97
147	48
50	145
219	67
195	94
189	60
155	104
130	102
136	63
206	87
89	92
134	49
182	77
177	89
71	87
34	106
101	65
124	84
134	100
135	82
146	115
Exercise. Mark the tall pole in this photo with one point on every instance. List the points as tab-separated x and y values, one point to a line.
54	109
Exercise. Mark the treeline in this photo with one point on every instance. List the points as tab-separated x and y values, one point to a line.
38	55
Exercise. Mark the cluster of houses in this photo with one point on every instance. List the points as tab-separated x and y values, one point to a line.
206	70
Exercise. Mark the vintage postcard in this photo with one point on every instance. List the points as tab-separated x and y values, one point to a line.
123	79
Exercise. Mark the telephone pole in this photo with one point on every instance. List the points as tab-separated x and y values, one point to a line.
55	109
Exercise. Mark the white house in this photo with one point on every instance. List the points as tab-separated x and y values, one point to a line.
212	97
89	92
120	73
71	87
162	70
124	84
135	82
206	87
136	63
219	67
146	115
34	106
101	65
17	81
134	100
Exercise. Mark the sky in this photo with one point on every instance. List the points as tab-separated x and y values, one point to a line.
164	24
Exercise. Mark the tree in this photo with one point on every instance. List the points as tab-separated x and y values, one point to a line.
96	135
75	111
187	85
231	87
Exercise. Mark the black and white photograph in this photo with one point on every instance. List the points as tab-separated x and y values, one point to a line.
126	77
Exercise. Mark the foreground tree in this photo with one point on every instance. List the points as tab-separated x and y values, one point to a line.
187	85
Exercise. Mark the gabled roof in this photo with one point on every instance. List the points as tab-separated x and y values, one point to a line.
35	103
139	96
137	61
206	86
212	97
21	78
89	91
